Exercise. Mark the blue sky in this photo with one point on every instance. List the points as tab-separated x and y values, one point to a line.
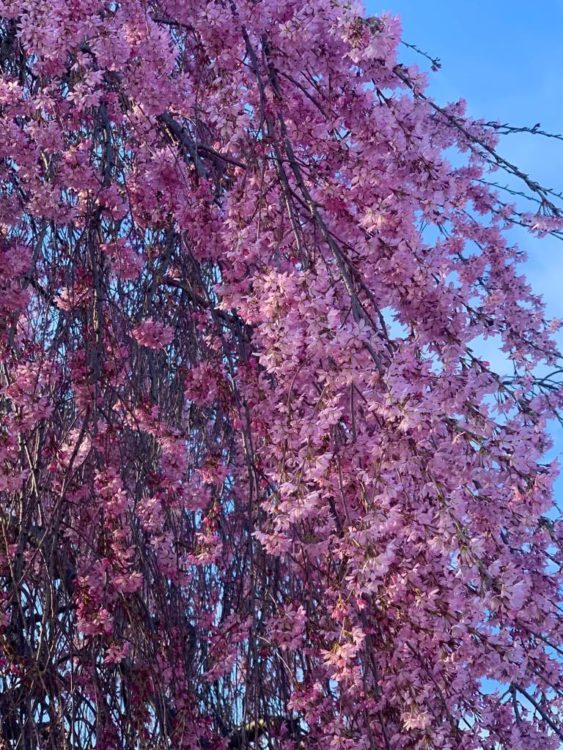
504	57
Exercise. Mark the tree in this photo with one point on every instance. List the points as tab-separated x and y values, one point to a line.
258	487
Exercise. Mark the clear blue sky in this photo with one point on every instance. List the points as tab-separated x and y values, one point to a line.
505	58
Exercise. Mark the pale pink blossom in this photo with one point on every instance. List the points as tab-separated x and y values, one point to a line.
152	334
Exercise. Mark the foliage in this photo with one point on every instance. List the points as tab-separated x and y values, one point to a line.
258	487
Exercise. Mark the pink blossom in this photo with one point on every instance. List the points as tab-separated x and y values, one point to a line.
152	334
258	485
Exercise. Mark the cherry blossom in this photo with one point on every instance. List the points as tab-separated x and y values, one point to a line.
258	488
152	334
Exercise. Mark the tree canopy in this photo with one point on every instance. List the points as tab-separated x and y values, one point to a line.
258	487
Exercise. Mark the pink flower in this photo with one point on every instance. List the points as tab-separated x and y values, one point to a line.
125	262
128	583
152	334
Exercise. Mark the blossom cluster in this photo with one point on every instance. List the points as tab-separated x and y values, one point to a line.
257	487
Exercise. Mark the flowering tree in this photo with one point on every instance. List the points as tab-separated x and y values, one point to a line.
258	487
